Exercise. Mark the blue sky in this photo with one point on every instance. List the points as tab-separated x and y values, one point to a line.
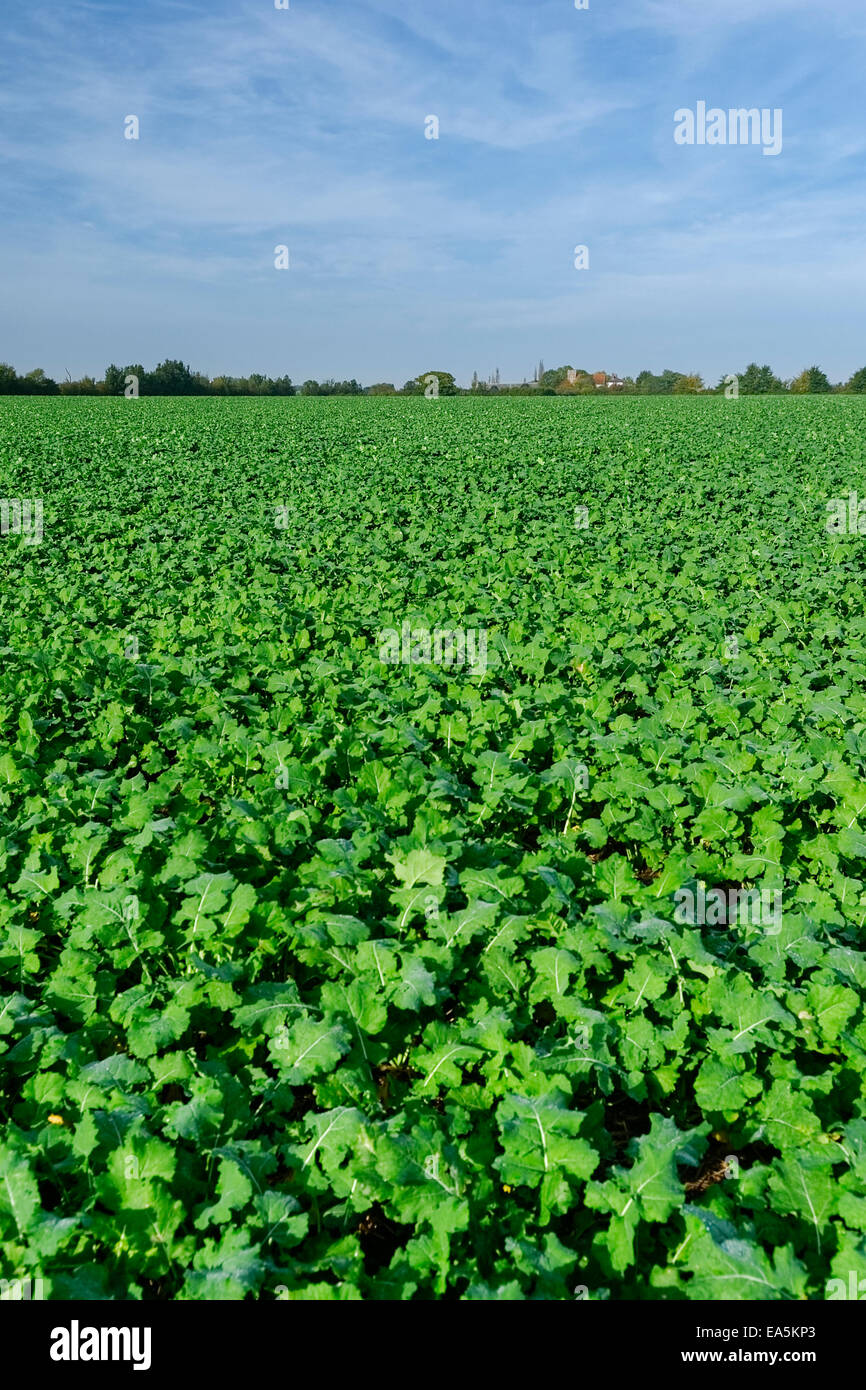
305	127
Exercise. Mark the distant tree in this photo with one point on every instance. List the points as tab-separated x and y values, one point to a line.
8	380
382	388
114	379
232	386
647	384
581	384
811	382
330	387
170	378
857	382
688	385
553	376
759	381
818	382
36	383
447	384
85	386
253	385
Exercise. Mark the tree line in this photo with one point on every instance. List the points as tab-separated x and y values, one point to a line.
174	378
754	380
169	378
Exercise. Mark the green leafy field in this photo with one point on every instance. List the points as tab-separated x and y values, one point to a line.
325	976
